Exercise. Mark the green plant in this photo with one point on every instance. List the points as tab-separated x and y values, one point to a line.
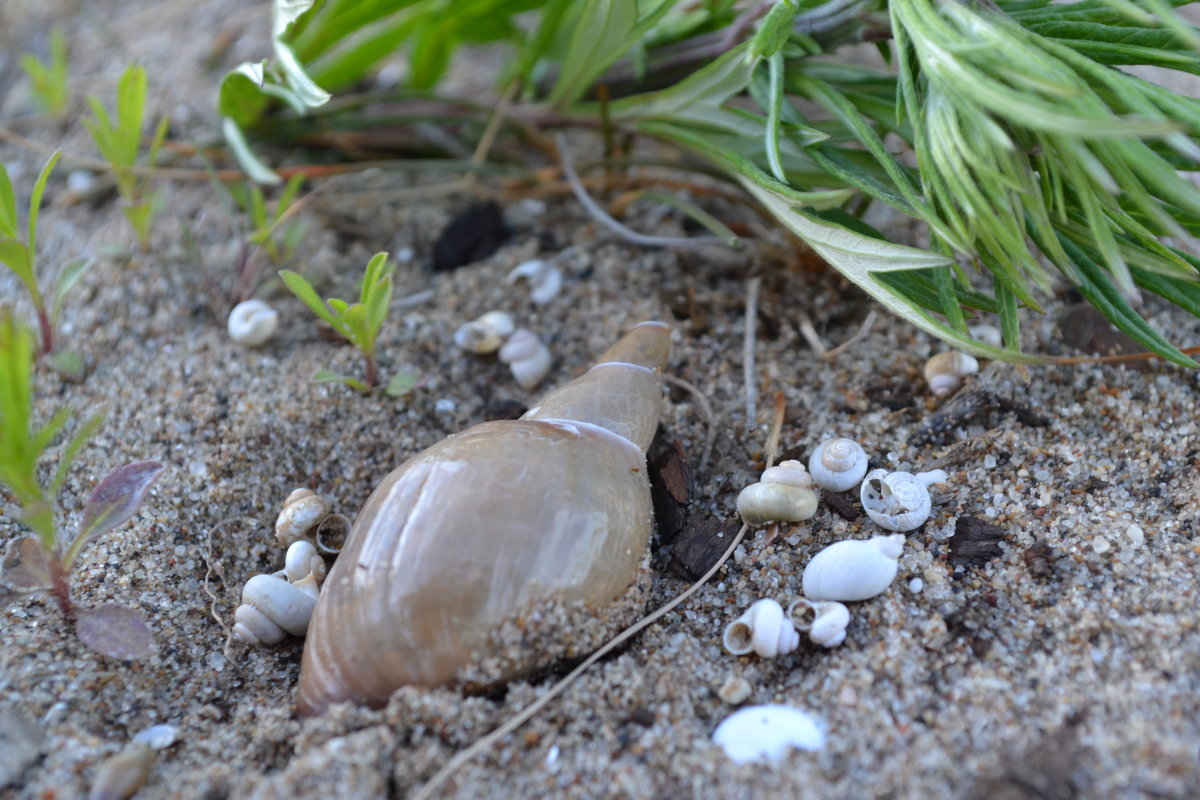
272	229
1036	160
119	140
358	322
21	257
49	79
43	561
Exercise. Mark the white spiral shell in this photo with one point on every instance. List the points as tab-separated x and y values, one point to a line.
838	464
302	511
853	569
272	606
825	621
527	357
545	279
763	629
252	323
784	493
486	334
899	501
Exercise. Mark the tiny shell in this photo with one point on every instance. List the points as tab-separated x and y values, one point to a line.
765	733
735	691
854	569
838	464
287	605
486	334
945	372
825	621
527	357
302	560
545	280
252	323
899	501
302	511
763	629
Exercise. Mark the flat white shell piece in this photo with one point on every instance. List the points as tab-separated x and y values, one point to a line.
764	733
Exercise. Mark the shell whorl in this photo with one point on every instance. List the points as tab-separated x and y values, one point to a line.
487	523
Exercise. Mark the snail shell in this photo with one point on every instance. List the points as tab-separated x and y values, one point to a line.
853	569
945	372
526	356
784	493
838	464
899	501
485	526
252	323
486	334
302	511
763	629
824	621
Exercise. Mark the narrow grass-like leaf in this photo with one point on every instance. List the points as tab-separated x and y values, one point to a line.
66	280
8	206
86	430
304	290
325	376
35	204
698	215
15	255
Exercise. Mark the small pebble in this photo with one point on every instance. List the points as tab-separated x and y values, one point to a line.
1136	535
735	691
1101	545
916	585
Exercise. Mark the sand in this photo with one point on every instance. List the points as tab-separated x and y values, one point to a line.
1068	665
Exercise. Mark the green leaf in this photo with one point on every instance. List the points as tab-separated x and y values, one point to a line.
8	206
67	278
304	290
35	205
698	215
16	256
604	31
86	430
325	376
254	168
112	503
401	383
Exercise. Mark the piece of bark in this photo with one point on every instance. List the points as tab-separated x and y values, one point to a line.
975	542
699	545
670	488
472	235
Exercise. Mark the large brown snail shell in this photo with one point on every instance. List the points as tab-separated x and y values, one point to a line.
486	526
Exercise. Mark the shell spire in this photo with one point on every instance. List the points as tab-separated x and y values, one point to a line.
484	556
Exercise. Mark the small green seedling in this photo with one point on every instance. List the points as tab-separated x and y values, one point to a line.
273	230
119	140
49	79
43	562
21	257
359	322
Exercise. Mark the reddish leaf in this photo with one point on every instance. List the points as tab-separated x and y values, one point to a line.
114	630
114	500
26	566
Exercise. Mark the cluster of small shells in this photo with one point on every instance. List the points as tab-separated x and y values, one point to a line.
844	572
282	602
520	348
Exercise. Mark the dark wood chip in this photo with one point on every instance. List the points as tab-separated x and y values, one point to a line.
670	487
975	542
699	545
642	716
503	408
974	404
471	236
840	505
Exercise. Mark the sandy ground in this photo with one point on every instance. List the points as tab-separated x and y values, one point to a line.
1067	665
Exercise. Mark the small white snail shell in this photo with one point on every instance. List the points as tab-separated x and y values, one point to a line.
252	322
945	372
988	334
838	464
303	560
854	569
824	621
763	629
765	733
899	501
271	606
784	493
527	357
545	279
302	511
486	334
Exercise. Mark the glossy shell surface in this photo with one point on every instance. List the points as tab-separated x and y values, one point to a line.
485	525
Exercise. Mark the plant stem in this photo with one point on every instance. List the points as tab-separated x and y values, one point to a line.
60	588
372	373
47	329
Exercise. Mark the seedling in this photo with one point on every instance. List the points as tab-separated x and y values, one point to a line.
43	562
21	257
273	230
359	322
119	141
49	79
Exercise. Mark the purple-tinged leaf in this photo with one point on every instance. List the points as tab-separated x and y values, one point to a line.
114	500
114	630
26	565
